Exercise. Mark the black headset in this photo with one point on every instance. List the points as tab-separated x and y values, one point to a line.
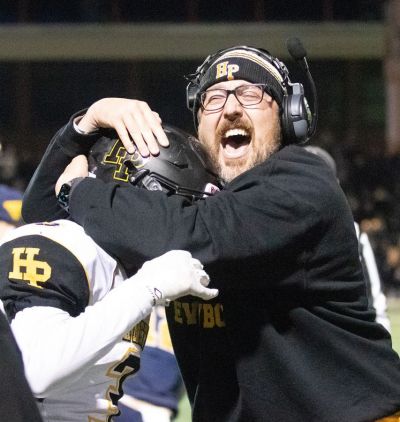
297	122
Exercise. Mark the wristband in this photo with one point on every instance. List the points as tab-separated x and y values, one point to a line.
158	296
64	194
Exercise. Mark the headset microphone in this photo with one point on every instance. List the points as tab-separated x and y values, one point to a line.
296	49
299	54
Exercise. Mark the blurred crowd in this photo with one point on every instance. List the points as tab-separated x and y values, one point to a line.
374	193
370	178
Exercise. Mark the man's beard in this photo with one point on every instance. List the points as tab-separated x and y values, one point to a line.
227	171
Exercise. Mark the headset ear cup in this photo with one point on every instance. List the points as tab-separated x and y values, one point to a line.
287	131
299	118
295	120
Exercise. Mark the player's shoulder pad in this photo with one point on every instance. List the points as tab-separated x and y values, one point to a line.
52	264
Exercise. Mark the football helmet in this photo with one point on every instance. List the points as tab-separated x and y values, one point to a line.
183	168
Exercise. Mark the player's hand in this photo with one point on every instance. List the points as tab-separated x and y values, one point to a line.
176	274
78	167
134	121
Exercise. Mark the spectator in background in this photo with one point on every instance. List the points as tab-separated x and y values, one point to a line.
392	268
371	272
10	209
10	212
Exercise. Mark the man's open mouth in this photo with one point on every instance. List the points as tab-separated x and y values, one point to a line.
235	142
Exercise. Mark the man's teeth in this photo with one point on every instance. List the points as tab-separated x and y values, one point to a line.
235	132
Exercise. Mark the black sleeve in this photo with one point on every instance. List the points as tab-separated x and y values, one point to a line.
275	212
135	225
17	403
36	271
40	203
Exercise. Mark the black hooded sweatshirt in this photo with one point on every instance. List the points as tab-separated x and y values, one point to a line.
291	336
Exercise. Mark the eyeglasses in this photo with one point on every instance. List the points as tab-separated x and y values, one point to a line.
247	95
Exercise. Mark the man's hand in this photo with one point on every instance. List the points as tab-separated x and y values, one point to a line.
173	275
78	167
134	121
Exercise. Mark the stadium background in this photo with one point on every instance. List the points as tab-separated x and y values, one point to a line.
59	57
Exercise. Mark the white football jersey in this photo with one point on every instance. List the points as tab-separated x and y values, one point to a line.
79	325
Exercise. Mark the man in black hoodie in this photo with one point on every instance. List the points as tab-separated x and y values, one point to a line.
291	336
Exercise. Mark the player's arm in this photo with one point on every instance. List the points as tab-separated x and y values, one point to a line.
57	347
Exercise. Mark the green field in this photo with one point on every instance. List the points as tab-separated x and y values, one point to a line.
394	314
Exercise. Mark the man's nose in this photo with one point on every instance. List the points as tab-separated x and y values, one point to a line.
232	107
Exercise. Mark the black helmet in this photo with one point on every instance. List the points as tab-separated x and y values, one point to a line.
183	168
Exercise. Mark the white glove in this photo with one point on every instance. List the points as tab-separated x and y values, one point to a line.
173	275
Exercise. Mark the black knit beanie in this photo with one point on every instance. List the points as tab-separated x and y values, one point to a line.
244	63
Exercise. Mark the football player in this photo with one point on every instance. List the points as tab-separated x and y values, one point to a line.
80	323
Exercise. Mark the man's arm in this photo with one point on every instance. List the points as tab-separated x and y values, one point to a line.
262	213
255	217
134	122
40	202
